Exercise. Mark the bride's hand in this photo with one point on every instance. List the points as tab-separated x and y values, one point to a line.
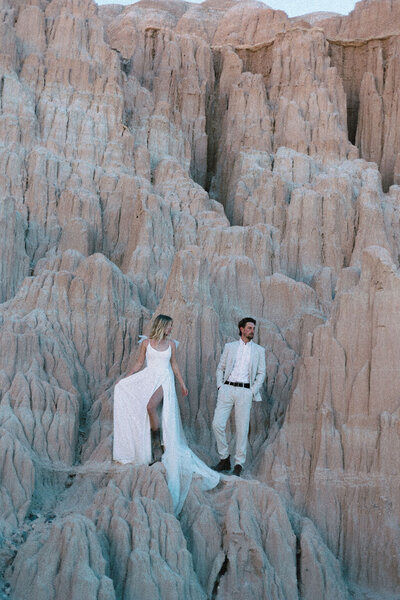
184	390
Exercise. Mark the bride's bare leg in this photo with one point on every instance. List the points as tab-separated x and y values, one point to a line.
152	407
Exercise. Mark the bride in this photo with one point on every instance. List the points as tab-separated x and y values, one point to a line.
136	399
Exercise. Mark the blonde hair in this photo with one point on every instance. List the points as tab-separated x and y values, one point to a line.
159	327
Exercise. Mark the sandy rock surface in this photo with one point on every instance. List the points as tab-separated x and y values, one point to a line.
208	161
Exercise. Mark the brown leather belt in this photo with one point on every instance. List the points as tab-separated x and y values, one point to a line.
238	384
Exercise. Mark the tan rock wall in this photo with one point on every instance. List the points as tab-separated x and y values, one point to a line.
369	18
345	452
369	70
201	161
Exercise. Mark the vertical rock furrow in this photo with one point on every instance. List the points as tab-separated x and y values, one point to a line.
62	560
198	160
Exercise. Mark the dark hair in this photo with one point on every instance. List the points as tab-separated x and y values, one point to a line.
242	322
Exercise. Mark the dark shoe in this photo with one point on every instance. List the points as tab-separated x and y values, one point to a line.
237	469
223	465
156	446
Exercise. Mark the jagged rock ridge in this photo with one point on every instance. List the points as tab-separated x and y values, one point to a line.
207	161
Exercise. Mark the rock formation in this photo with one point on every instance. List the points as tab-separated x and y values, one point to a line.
208	161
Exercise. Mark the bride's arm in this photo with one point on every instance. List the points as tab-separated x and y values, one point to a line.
175	368
139	362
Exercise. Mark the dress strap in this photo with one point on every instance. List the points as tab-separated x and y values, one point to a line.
144	337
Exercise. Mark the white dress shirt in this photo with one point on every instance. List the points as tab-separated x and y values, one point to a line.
240	371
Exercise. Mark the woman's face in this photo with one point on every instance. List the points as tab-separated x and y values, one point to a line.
169	328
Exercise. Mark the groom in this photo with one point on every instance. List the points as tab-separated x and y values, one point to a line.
240	375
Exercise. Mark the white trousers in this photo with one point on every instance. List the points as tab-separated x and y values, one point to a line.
229	397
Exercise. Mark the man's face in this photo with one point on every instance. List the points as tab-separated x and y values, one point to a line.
247	332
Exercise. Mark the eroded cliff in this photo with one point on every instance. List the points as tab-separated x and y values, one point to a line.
209	162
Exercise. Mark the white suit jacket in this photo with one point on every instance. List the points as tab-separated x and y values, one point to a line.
256	367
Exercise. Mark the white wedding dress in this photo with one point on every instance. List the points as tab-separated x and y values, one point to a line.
132	440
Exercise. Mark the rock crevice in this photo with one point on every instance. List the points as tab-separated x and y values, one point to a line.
207	161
